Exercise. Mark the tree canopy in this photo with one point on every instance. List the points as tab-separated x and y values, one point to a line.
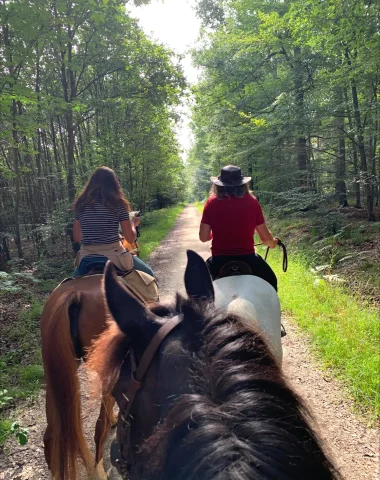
290	92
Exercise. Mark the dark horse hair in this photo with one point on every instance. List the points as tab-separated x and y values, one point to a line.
241	420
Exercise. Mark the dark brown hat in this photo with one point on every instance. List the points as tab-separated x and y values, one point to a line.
230	176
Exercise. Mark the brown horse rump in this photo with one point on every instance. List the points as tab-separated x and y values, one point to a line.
140	284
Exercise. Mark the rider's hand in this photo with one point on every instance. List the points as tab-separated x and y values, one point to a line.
274	243
136	221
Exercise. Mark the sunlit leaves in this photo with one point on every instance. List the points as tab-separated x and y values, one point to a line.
275	71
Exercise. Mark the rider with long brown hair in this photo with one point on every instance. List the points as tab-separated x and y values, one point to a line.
99	210
230	218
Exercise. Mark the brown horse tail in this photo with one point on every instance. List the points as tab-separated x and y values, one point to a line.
62	389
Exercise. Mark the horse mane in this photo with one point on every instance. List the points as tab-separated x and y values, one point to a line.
241	421
106	355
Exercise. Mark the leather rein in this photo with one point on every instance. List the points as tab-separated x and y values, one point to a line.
138	373
284	254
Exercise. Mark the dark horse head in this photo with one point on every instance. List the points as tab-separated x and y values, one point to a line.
214	405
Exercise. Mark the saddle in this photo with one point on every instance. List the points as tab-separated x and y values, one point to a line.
141	284
233	269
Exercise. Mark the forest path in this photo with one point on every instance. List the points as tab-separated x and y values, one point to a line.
354	447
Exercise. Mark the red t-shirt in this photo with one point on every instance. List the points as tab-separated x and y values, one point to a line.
233	222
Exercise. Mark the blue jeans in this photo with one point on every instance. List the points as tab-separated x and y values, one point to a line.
137	263
140	265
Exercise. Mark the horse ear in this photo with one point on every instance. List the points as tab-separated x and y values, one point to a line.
132	317
198	281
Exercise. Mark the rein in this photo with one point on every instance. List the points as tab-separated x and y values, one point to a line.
284	254
138	372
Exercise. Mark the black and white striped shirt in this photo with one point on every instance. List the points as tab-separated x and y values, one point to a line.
99	224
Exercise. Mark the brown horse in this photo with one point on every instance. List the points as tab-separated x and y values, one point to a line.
73	316
214	403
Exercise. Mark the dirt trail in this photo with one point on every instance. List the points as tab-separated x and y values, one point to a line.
354	447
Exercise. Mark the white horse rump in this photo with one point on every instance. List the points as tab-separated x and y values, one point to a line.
256	302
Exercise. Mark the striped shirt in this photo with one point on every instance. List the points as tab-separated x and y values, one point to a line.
99	224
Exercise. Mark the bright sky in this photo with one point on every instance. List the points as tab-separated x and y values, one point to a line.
173	23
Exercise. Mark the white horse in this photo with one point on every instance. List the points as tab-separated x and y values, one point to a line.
256	302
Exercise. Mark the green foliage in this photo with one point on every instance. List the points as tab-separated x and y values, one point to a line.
7	283
199	206
14	282
21	371
5	399
345	334
20	433
288	92
5	430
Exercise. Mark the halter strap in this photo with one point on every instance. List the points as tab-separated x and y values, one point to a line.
138	374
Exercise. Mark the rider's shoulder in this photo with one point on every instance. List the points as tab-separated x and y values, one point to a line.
251	198
211	200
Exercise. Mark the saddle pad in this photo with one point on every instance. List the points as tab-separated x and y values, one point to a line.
143	285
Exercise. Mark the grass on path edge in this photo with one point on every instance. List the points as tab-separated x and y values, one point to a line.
345	333
154	228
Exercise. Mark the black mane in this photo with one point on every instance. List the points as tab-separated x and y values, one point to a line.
241	421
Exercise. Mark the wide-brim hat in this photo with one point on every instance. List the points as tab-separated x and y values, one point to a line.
230	176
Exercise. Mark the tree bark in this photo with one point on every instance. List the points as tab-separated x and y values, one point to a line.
17	182
301	148
361	146
340	161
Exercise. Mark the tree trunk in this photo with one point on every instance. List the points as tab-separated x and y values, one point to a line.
301	149
358	203
360	142
340	159
17	185
70	154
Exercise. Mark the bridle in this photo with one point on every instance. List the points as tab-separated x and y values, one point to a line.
136	384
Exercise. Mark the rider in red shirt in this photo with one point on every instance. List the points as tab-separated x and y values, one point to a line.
230	217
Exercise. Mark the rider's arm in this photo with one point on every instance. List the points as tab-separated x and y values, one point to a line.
77	231
205	233
266	236
128	228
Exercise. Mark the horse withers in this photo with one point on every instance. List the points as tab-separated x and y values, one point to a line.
73	316
201	395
